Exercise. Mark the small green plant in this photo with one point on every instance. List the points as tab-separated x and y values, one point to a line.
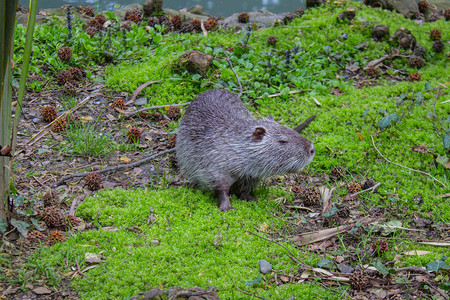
85	140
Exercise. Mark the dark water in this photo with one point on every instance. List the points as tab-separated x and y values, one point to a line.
216	8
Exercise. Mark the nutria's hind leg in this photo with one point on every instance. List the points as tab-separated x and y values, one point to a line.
224	201
247	197
243	189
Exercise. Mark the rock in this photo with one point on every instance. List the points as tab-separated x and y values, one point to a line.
140	101
348	14
35	120
408	8
152	7
380	32
313	3
404	38
261	17
194	62
198	10
186	16
264	266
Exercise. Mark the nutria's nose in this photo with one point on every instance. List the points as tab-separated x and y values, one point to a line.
312	149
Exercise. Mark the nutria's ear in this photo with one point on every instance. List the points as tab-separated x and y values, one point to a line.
258	134
269	117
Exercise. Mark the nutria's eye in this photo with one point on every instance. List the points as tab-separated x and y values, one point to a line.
283	141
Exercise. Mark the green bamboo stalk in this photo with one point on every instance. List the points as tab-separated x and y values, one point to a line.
7	23
23	75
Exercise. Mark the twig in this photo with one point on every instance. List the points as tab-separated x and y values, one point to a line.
299	207
305	124
408	168
413	269
436	289
279	94
79	269
135	112
248	293
139	89
232	69
116	168
292	254
371	188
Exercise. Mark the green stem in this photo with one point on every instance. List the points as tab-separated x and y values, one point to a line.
23	76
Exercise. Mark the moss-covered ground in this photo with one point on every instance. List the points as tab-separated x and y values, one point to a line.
196	245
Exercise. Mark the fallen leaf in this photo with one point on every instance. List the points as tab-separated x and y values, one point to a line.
42	291
352	68
86	119
416	252
264	227
125	160
284	278
360	136
92	258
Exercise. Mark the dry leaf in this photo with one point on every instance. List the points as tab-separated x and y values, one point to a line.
416	252
125	160
284	278
42	291
264	227
360	136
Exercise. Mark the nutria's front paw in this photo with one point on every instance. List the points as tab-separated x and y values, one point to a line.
248	198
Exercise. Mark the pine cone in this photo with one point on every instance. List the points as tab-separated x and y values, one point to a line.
75	73
368	183
134	134
433	17
48	113
416	62
59	125
372	72
93	181
435	34
64	76
120	104
34	237
423	6
91	31
51	198
308	194
197	25
272	40
70	88
65	53
243	17
358	280
52	216
186	27
379	247
88	11
415	77
172	141
56	236
101	19
211	24
134	15
299	12
438	46
176	21
72	221
337	173
446	13
288	17
152	21
174	112
354	187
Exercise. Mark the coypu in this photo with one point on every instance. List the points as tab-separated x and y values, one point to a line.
222	148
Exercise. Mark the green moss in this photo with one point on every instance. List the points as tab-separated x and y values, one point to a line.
199	246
